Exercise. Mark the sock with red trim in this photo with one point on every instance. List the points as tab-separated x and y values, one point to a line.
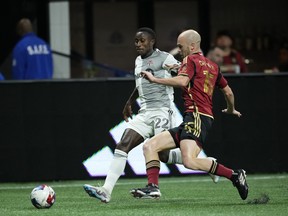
153	170
220	170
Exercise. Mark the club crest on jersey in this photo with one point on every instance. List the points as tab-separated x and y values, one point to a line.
150	62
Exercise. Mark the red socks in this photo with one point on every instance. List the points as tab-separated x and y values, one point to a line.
153	169
220	170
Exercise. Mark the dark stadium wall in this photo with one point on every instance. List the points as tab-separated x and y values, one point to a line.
49	128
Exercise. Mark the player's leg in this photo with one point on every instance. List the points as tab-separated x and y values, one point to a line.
190	150
196	127
151	148
173	156
166	118
129	140
134	135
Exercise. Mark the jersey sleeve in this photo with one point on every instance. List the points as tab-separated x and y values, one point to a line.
221	82
170	60
187	68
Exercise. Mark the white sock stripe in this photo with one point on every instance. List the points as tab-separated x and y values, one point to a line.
120	153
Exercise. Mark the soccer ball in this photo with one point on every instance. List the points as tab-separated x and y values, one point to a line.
43	196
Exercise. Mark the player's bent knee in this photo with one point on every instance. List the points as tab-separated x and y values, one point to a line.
146	148
129	140
149	147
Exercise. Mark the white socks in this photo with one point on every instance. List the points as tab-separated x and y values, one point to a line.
116	169
175	157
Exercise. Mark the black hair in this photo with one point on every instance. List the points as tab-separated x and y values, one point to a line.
150	31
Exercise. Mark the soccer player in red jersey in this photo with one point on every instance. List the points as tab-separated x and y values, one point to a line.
197	76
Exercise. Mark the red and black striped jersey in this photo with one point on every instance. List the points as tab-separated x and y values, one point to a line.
204	75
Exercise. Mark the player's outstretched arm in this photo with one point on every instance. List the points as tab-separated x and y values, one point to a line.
177	81
229	97
127	110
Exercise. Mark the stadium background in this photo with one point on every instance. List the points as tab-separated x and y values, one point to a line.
48	128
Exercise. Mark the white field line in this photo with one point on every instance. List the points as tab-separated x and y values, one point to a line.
129	182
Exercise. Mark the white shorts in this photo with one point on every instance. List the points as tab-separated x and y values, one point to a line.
150	122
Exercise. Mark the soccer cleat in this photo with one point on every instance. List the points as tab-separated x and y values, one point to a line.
151	191
98	193
239	181
214	178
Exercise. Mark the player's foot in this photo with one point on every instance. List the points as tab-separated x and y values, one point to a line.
98	193
239	181
214	178
151	191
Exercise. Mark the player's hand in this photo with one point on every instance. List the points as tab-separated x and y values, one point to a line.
148	75
232	112
127	112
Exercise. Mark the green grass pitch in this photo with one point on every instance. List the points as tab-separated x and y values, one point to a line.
187	195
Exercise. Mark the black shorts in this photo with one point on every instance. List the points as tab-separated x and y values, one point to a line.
195	126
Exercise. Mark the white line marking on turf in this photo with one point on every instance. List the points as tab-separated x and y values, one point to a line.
163	180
